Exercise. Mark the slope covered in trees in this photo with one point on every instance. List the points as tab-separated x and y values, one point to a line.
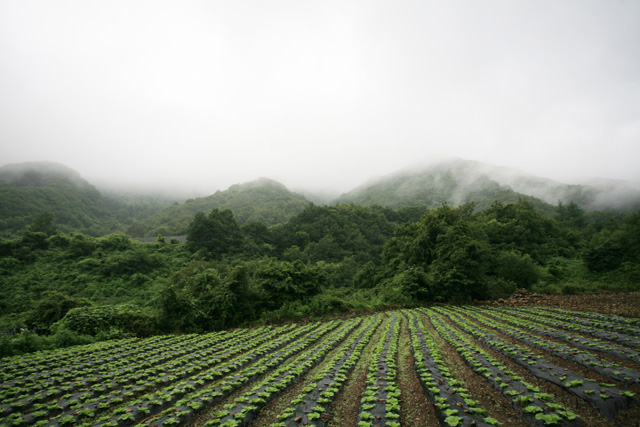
263	200
325	260
29	189
460	181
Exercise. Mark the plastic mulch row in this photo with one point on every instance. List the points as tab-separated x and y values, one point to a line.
580	341
109	378
122	388
323	392
626	340
246	408
449	399
524	397
607	400
604	324
206	389
598	316
163	397
381	387
588	360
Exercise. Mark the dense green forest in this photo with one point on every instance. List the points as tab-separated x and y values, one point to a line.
26	190
460	181
262	200
67	288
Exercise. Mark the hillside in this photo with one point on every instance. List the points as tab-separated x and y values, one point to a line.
262	200
460	181
28	189
453	183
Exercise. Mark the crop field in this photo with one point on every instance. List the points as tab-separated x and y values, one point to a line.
449	366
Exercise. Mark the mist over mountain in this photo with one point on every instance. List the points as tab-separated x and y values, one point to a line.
263	200
28	189
458	181
41	174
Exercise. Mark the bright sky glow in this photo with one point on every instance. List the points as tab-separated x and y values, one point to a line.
320	95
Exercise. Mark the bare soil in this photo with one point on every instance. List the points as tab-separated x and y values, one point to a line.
621	304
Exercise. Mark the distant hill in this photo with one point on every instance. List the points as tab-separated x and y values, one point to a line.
451	182
459	181
262	200
27	189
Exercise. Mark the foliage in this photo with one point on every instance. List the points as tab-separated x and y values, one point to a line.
89	320
52	308
264	201
76	288
47	197
215	234
334	233
285	282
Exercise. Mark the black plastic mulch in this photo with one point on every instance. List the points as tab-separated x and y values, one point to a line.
607	400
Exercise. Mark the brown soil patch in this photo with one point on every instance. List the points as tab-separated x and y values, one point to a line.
621	304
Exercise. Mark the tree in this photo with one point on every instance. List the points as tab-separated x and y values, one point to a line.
215	234
284	281
446	253
517	268
137	229
571	214
52	308
44	223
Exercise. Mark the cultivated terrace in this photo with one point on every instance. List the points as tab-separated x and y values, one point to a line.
443	365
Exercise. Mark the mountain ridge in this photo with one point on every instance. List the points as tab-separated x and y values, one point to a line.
27	189
261	200
460	180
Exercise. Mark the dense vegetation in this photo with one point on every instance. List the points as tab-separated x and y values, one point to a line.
263	200
28	190
73	288
460	181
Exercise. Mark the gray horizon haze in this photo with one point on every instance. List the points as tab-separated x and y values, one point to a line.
318	95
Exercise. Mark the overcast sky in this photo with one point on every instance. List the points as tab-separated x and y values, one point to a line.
319	94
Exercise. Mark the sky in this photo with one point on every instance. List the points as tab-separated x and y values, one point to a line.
319	95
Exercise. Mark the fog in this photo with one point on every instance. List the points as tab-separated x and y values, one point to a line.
321	95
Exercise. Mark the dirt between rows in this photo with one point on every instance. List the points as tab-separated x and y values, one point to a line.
621	304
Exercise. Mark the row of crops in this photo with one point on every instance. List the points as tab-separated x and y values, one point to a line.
545	365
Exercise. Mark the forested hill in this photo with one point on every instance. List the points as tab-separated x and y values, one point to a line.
28	189
459	181
452	183
262	200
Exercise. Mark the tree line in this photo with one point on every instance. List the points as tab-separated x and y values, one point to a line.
62	289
